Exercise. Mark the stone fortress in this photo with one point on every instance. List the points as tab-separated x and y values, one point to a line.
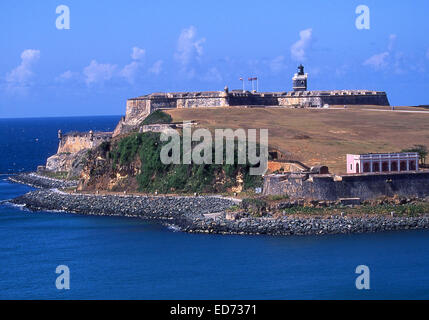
140	107
297	180
73	145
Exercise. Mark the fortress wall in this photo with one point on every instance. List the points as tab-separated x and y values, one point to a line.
365	187
300	101
75	142
202	102
315	99
163	103
137	110
253	100
379	99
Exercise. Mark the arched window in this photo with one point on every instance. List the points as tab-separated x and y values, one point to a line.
403	166
412	165
385	166
376	167
394	166
366	167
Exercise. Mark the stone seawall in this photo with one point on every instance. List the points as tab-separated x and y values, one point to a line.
365	187
145	207
207	214
37	181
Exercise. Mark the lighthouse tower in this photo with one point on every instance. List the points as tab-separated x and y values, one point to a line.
299	80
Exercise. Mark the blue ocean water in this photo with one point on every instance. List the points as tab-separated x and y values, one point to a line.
122	258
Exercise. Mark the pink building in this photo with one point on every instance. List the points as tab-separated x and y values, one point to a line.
383	162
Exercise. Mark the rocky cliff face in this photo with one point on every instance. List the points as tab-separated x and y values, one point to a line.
72	163
98	173
132	163
72	151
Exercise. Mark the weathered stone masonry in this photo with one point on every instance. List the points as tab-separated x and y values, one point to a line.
139	108
331	187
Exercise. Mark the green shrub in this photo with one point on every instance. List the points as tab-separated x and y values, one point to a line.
156	176
157	117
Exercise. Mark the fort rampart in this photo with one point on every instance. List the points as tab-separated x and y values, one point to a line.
76	141
332	187
139	108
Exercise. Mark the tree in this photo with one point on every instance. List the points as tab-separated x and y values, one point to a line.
421	150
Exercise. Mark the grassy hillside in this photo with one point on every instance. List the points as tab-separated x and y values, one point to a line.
322	136
132	163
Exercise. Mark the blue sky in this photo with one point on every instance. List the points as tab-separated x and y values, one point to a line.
115	50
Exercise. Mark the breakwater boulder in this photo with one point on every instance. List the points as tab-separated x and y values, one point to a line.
146	207
207	214
304	226
39	181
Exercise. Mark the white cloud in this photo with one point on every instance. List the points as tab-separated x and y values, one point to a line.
392	40
22	74
98	73
298	49
341	71
156	67
188	47
213	75
277	64
377	61
67	75
383	59
130	71
138	54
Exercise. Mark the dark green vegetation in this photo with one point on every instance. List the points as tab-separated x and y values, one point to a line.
409	210
156	176
421	150
264	206
157	117
62	175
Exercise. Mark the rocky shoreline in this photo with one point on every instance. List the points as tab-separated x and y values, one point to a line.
38	181
207	214
145	207
305	226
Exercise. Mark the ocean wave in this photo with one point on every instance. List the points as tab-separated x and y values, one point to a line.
173	227
14	205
